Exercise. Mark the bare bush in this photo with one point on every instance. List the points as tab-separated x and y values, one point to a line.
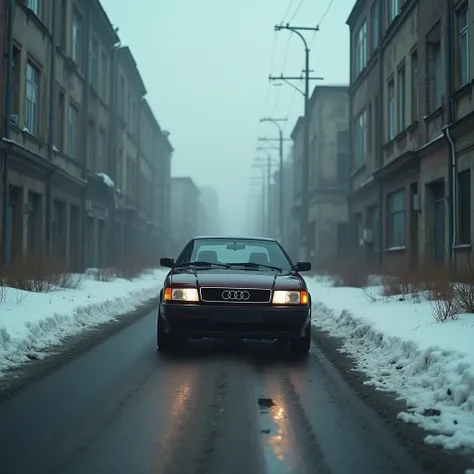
372	293
349	272
105	274
38	273
445	309
130	268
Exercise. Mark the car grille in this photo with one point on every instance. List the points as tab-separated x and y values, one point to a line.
215	295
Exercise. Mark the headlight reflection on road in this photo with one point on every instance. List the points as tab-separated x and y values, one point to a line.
278	441
178	413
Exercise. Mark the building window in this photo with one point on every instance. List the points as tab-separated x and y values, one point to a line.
360	139
77	39
121	97
393	8
391	110
435	75
401	96
94	64
396	219
34	6
91	164
361	48
375	25
63	24
72	117
372	219
463	22
32	98
16	91
342	155
104	75
464	207
102	153
414	86
59	119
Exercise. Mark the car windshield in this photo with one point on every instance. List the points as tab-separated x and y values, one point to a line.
264	253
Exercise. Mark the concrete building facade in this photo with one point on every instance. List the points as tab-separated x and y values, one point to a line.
328	226
73	150
185	212
411	201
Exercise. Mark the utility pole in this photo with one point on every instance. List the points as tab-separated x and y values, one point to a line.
261	182
7	223
306	146
266	164
276	121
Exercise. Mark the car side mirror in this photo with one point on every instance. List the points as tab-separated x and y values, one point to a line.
303	266
167	262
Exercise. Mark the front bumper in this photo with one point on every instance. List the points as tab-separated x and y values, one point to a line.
244	321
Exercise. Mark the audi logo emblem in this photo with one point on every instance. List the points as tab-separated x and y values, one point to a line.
236	295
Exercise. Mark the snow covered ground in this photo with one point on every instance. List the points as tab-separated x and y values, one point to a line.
32	322
403	349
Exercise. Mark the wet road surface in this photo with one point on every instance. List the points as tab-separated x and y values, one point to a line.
218	408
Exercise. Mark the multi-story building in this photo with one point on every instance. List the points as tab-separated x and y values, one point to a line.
210	212
74	162
328	172
297	136
185	204
420	175
3	145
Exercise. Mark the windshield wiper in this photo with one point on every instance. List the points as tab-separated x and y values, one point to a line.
255	265
202	264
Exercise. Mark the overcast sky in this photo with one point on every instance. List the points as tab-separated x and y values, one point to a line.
206	65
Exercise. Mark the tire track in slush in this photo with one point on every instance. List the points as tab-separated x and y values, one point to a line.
231	444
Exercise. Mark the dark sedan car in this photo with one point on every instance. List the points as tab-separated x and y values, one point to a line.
234	288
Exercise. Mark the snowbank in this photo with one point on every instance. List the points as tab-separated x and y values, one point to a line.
32	322
402	349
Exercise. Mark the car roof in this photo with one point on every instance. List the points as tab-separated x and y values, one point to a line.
233	237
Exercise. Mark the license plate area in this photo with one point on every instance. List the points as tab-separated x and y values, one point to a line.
231	315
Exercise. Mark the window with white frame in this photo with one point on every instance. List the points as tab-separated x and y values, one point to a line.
401	96
361	49
396	219
463	22
360	139
32	98
34	6
72	142
375	24
393	8
391	109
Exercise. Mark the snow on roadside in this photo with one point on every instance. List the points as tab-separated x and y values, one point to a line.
402	349
33	322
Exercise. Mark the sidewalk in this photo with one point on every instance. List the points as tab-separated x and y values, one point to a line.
32	322
401	348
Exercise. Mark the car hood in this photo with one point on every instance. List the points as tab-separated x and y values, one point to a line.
225	278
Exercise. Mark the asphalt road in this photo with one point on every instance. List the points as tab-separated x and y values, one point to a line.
218	408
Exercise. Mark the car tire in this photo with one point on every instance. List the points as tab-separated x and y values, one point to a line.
165	342
301	346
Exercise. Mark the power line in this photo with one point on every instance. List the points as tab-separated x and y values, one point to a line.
272	61
322	19
296	11
290	4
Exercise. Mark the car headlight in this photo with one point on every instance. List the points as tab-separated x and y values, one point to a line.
290	297
181	294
